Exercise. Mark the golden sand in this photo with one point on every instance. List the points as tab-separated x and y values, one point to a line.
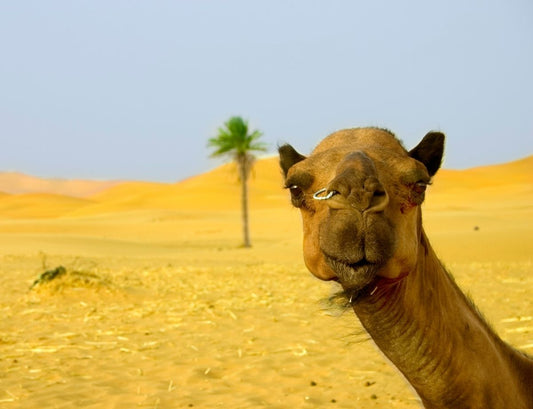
161	308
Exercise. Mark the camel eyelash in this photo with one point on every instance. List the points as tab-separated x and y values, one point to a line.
298	191
301	181
295	189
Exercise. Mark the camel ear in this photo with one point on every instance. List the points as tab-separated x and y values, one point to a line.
430	151
288	157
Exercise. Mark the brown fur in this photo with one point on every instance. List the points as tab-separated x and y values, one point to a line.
368	235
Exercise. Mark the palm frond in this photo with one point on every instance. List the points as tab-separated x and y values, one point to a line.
223	144
233	139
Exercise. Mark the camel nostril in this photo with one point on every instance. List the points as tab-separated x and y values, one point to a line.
379	201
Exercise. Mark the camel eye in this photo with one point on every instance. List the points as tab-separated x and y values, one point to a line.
420	187
297	196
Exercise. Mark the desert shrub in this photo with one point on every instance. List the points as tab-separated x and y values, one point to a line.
61	278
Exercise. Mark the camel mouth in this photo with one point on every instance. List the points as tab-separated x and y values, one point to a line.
353	276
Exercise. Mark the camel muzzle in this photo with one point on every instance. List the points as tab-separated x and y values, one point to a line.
355	186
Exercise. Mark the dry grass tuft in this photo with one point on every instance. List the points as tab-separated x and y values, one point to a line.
60	279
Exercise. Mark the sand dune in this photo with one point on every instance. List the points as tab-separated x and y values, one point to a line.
498	184
38	205
516	172
215	190
16	183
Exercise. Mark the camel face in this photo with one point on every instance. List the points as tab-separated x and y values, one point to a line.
359	193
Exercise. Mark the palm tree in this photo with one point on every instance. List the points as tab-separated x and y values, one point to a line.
234	140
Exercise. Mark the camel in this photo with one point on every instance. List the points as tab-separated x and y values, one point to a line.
360	194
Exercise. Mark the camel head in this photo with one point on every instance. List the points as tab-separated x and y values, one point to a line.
359	193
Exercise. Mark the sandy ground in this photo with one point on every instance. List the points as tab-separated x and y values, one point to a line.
161	308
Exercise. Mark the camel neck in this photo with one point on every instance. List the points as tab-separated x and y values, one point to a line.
434	335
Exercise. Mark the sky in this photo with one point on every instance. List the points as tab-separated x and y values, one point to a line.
130	89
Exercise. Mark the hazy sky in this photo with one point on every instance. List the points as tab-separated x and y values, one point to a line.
133	89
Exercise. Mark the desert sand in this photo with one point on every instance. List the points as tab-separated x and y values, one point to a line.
160	307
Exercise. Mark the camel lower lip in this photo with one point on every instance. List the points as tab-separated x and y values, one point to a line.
353	275
355	266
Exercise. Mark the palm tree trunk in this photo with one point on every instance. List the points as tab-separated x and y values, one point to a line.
244	200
